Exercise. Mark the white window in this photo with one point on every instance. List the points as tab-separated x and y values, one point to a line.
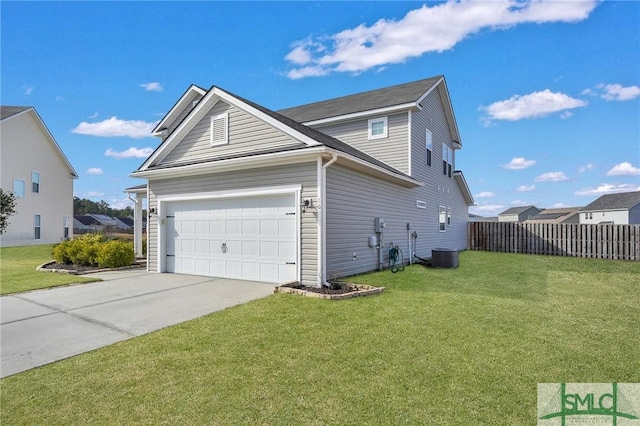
447	160
19	188
448	216
442	217
378	128
429	144
66	227
35	182
36	227
220	129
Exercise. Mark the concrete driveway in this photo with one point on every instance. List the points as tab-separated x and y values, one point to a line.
44	326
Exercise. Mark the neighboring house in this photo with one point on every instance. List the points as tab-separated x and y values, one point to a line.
124	223
85	224
107	222
518	214
237	190
557	215
478	218
35	169
621	208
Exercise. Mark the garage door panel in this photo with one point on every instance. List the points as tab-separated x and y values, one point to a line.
246	238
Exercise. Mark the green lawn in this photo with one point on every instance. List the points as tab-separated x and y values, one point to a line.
18	270
463	346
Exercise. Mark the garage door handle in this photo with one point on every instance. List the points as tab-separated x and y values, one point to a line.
224	247
290	263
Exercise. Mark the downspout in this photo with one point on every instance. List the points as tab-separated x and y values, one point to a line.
323	219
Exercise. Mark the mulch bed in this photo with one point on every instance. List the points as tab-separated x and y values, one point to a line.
81	270
344	291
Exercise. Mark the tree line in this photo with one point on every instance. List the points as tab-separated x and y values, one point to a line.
82	206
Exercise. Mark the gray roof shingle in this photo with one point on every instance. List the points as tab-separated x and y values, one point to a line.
8	111
621	200
518	210
359	102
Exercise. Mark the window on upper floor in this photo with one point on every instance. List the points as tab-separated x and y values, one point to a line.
447	160
19	188
378	128
429	145
35	182
220	129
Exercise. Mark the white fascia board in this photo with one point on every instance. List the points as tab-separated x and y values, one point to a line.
266	118
431	89
462	183
361	114
205	104
178	106
44	127
219	166
448	111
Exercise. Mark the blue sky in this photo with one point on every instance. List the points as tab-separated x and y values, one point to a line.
546	94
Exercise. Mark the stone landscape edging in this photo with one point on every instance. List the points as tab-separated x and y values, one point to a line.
362	290
43	268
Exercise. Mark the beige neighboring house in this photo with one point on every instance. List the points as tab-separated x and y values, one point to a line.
557	215
35	169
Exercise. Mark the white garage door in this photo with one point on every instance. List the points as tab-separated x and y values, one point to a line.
252	238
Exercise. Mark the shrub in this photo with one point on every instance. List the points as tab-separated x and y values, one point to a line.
115	253
79	251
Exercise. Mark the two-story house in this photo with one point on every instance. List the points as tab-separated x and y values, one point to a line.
35	169
308	193
518	214
621	208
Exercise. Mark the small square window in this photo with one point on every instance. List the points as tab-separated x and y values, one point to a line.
378	128
19	188
35	182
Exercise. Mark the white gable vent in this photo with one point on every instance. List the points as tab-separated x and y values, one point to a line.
220	129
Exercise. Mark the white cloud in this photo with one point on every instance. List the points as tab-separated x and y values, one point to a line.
129	153
607	188
551	177
526	188
533	105
585	168
27	90
94	171
519	163
93	194
485	194
152	87
558	206
615	92
94	115
624	169
428	29
114	127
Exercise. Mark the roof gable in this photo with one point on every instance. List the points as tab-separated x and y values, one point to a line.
185	102
519	210
403	96
618	201
16	112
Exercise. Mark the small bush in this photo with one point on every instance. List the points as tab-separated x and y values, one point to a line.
115	253
79	251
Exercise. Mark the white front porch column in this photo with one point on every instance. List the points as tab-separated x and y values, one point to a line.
137	225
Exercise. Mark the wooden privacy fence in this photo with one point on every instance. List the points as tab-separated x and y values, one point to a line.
620	242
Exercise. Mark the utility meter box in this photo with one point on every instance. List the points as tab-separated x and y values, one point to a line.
373	241
378	224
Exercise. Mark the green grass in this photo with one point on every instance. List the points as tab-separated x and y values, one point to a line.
439	346
18	270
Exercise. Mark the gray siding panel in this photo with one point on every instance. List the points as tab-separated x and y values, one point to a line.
354	200
304	174
246	134
392	150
